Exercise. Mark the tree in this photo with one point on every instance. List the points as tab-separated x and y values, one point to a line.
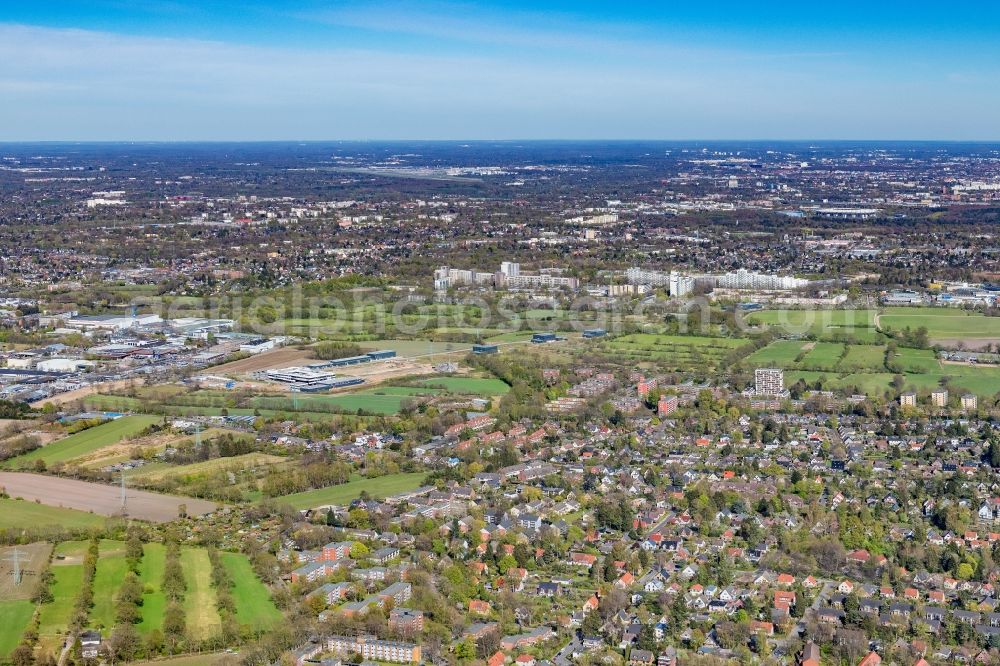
993	453
123	643
591	625
647	638
23	655
465	650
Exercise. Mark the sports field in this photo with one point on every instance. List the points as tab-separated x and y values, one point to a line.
86	441
342	494
485	387
24	514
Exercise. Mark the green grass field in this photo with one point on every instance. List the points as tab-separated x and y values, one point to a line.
864	367
54	617
917	360
22	514
202	618
379	400
942	322
983	381
253	600
862	357
380	487
149	473
823	356
675	352
154	603
111	570
485	387
779	354
14	618
823	324
86	441
254	606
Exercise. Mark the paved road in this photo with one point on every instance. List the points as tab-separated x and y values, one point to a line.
565	656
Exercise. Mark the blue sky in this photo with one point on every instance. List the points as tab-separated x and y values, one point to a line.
224	70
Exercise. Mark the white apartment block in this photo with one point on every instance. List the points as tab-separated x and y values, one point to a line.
744	279
677	284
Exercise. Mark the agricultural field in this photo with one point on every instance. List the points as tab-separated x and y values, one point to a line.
380	487
22	514
481	386
102	499
85	442
942	323
180	406
839	325
676	352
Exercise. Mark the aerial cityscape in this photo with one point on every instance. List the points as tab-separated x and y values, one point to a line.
318	385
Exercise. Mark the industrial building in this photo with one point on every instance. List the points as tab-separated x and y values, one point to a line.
485	349
309	380
355	360
111	322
